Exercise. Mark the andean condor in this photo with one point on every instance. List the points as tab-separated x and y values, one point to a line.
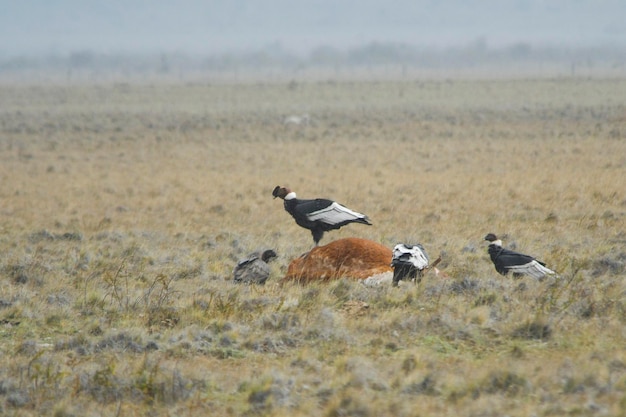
506	261
254	269
408	262
319	215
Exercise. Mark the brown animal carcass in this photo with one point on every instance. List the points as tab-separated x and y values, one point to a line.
344	258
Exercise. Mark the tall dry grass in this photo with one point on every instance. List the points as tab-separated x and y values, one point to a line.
123	209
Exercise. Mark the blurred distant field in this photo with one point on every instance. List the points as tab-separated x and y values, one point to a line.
124	208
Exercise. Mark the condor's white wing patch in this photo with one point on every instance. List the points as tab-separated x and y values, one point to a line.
532	268
335	214
415	254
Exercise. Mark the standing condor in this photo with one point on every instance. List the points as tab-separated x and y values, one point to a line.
506	261
318	215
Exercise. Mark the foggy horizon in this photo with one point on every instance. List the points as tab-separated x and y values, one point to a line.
197	27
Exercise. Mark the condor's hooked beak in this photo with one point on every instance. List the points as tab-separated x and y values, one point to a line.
275	192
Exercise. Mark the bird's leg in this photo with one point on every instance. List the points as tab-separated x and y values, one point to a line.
317	236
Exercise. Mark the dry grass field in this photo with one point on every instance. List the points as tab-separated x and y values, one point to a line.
124	208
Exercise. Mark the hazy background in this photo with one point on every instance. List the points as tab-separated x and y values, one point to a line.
194	35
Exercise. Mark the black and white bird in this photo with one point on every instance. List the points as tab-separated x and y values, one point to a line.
319	215
254	269
408	262
506	261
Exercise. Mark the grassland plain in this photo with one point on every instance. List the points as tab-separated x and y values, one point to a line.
124	207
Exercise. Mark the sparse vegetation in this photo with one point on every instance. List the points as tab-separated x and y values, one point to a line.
124	208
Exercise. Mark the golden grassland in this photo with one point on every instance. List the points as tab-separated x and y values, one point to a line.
124	208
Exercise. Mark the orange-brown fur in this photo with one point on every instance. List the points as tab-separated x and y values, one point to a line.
350	258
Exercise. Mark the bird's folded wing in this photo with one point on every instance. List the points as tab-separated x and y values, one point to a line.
509	258
335	213
248	260
532	268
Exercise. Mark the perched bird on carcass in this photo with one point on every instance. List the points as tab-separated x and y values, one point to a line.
506	260
318	215
254	269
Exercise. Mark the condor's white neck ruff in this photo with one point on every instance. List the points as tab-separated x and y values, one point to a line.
290	196
496	242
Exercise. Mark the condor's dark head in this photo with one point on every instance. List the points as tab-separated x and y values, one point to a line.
491	237
280	192
268	255
494	241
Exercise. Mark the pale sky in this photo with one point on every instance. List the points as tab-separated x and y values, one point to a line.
196	26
